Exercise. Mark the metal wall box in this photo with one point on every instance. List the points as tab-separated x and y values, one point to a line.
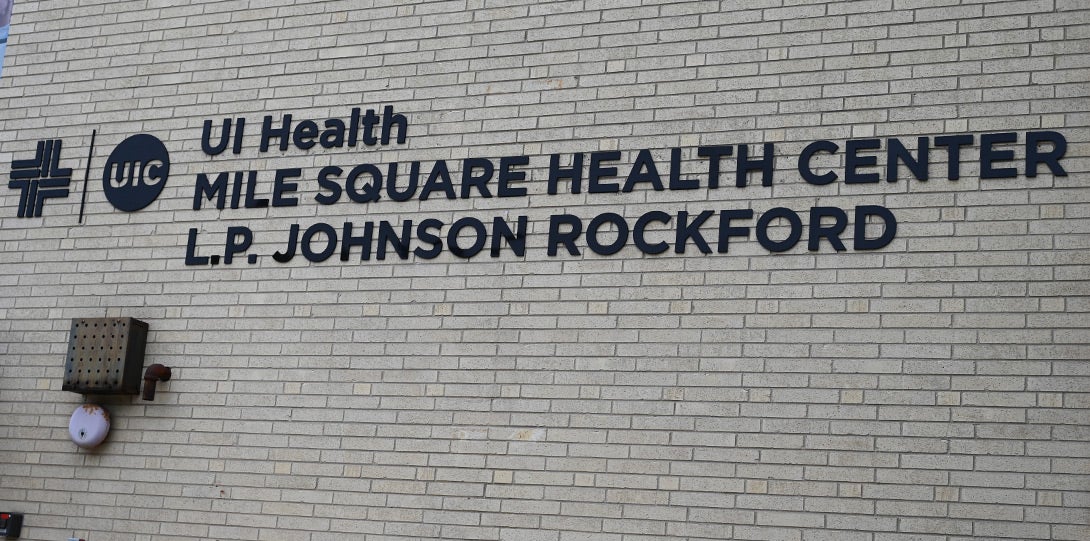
105	355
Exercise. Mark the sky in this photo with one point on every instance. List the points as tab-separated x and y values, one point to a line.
5	19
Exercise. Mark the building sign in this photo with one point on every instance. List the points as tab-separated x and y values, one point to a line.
138	168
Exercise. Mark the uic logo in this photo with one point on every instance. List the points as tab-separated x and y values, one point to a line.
136	172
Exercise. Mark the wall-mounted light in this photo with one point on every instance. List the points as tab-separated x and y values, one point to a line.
105	356
89	425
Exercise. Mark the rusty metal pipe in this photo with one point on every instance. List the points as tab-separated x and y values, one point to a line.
154	373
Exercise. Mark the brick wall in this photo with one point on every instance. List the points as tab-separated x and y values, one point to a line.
933	389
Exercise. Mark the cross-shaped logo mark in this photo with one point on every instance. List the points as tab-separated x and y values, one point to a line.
40	178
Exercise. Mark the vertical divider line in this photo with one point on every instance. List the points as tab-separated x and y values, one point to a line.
87	175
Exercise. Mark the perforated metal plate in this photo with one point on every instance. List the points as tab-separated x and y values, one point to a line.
105	355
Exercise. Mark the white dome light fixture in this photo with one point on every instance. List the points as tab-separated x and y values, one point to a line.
89	425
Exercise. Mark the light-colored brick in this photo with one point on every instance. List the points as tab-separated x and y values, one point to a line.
933	388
